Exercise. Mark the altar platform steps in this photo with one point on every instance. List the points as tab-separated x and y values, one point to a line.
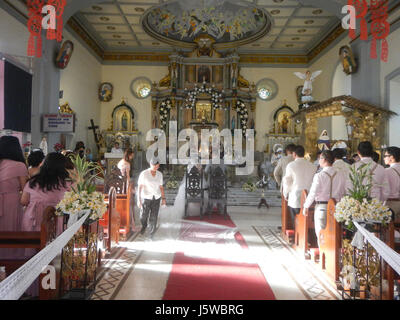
238	197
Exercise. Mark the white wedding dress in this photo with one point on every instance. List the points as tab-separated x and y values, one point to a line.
172	226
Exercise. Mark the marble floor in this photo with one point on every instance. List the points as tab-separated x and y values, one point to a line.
139	269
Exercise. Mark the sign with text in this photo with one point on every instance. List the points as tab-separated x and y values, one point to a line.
58	123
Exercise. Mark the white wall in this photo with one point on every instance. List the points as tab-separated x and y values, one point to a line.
394	105
121	77
287	83
341	84
393	64
80	83
393	60
14	37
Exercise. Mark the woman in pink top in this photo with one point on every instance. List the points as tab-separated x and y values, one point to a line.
13	176
45	189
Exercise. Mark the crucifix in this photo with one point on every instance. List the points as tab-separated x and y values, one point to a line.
96	137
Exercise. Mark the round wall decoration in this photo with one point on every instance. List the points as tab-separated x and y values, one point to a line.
267	89
141	87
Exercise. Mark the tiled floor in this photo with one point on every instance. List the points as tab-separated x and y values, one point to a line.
140	269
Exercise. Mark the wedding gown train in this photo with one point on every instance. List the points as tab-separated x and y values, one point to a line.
172	226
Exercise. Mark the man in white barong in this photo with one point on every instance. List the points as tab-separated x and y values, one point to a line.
329	183
298	177
380	187
392	159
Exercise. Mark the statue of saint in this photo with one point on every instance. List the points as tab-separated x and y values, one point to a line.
124	122
284	123
324	143
233	122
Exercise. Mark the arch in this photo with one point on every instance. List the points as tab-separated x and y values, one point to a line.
123	104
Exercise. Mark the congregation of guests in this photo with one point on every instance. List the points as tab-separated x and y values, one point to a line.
329	177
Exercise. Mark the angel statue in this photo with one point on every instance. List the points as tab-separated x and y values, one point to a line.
307	88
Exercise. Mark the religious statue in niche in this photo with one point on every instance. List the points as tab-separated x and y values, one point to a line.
105	92
324	143
123	118
283	123
203	74
174	76
348	62
124	122
65	54
308	78
234	74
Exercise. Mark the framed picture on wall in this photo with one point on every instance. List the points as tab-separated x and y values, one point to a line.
65	54
105	92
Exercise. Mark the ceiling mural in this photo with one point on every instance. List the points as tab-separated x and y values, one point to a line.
223	20
292	28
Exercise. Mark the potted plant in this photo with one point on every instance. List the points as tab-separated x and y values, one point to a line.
79	256
358	261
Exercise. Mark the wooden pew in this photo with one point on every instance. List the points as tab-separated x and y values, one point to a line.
330	244
124	200
287	224
36	240
111	221
304	225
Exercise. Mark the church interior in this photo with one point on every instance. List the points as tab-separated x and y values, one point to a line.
118	86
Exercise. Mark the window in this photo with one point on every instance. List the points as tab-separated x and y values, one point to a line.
141	87
266	89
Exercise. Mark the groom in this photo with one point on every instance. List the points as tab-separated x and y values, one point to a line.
151	191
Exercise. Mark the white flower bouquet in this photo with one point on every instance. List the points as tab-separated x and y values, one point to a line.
83	195
76	202
350	209
358	206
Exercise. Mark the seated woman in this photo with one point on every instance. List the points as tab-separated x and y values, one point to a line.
35	159
13	176
125	165
45	189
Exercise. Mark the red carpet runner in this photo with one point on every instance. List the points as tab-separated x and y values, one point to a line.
194	278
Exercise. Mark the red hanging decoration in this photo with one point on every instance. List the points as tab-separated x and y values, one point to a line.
380	28
35	27
361	7
59	5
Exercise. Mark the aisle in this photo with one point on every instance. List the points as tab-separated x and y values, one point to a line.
155	270
220	270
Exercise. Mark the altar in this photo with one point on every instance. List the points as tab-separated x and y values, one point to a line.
204	90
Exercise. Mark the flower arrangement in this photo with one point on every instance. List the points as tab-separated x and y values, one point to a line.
216	96
58	147
83	195
249	186
165	108
243	114
172	184
358	205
